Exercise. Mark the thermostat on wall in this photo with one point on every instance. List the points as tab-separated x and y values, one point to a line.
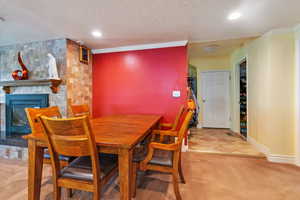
176	93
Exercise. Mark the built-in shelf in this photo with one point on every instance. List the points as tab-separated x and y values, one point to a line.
52	83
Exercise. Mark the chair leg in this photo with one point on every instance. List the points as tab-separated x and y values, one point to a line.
176	186
57	193
69	193
133	181
97	193
181	173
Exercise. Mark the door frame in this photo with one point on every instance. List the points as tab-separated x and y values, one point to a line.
297	102
200	99
236	102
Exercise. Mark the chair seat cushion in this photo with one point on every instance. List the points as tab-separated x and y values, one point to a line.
161	157
81	167
141	150
61	157
139	154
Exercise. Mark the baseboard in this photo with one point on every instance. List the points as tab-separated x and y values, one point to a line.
282	159
260	147
276	158
199	125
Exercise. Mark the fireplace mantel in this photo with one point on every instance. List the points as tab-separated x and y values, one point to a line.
52	83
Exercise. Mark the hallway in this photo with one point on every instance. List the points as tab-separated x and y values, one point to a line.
220	141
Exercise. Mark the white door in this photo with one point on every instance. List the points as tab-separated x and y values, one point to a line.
215	98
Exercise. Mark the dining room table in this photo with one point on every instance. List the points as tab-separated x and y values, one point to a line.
114	134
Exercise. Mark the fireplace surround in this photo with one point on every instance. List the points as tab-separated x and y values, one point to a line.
75	87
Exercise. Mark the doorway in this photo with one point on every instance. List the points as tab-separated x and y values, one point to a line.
216	100
243	98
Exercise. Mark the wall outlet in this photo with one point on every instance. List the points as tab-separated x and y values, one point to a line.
176	93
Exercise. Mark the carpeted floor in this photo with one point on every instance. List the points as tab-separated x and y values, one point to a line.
209	177
220	141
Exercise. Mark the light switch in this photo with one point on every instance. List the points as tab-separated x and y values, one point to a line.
176	93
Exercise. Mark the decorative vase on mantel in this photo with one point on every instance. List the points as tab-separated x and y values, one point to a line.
18	74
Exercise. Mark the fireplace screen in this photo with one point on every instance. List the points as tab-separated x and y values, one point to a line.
19	116
16	120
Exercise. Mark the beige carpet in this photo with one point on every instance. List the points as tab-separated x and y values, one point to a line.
209	177
220	141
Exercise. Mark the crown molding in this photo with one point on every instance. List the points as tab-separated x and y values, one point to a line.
279	31
141	47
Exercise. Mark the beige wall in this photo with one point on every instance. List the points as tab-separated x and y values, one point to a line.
297	93
271	91
206	64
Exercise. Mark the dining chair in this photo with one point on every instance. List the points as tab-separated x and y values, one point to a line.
170	126
173	126
165	157
36	127
80	110
74	137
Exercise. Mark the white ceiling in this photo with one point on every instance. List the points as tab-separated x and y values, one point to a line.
129	22
219	48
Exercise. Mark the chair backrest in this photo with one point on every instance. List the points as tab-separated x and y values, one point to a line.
185	124
178	117
33	117
80	110
70	137
191	104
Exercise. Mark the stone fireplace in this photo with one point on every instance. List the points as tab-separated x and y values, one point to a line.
76	86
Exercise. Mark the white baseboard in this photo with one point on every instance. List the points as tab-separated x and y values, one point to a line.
260	147
199	125
272	157
185	148
281	159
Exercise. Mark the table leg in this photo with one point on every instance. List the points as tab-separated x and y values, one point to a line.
125	170
35	168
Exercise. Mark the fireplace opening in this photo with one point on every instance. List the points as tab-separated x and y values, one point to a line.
16	121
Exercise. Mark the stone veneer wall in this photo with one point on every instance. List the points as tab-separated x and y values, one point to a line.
35	58
75	89
78	77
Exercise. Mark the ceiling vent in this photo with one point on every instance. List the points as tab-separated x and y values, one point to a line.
211	48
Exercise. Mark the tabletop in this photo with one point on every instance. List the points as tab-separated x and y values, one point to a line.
123	131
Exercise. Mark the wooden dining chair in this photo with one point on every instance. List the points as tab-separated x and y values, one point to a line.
80	110
170	126
74	137
173	126
165	157
36	127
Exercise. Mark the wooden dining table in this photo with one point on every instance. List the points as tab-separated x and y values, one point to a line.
115	134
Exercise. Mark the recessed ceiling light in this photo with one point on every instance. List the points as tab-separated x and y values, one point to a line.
234	16
96	34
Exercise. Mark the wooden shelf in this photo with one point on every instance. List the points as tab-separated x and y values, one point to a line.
52	83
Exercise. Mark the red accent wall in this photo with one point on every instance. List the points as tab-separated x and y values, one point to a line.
140	82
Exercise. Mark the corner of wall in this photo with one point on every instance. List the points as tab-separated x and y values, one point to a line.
276	158
78	91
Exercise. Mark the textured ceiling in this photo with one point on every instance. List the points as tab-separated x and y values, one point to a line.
219	48
129	22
